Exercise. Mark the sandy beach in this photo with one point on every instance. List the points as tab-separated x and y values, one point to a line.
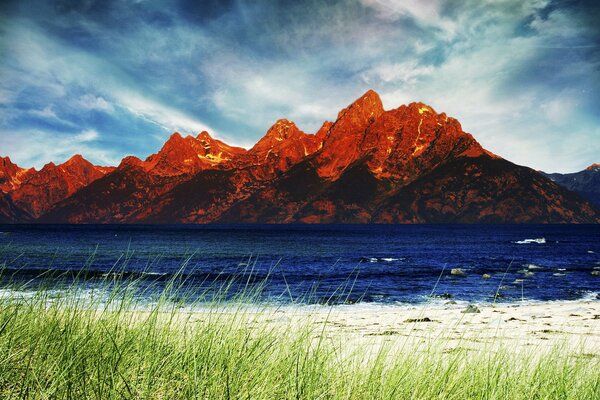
525	328
359	351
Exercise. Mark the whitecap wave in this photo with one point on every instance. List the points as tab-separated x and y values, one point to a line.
588	296
378	259
531	241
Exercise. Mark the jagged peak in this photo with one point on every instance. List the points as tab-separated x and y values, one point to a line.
323	131
11	175
421	108
593	167
5	162
204	135
174	140
282	129
280	132
131	161
369	97
76	159
369	103
7	167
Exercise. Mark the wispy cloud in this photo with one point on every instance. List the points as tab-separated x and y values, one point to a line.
169	119
427	13
44	147
515	73
92	102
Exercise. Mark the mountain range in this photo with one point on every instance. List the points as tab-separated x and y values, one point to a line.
586	182
405	165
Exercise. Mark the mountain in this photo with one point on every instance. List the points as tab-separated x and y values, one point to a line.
407	165
283	146
586	182
11	175
126	194
39	190
404	165
189	155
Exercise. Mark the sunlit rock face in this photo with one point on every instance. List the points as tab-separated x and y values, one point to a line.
11	175
39	191
405	165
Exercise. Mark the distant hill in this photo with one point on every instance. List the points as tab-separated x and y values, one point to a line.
586	182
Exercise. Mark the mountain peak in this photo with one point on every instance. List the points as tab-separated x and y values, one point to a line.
422	108
280	132
408	164
77	159
11	175
188	155
342	144
7	165
369	105
176	143
283	129
593	167
130	161
282	146
204	135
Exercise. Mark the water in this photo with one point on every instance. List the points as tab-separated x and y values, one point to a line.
315	264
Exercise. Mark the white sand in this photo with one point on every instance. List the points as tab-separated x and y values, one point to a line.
527	328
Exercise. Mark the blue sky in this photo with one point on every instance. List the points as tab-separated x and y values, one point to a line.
112	78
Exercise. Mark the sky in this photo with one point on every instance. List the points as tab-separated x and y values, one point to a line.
107	79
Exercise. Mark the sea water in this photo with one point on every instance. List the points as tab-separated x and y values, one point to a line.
322	264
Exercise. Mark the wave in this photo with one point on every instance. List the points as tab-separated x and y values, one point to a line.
531	241
588	296
377	259
532	266
369	259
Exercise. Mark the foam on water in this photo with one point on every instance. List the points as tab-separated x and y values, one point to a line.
531	241
377	259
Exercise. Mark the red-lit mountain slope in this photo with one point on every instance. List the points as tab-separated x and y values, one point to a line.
408	164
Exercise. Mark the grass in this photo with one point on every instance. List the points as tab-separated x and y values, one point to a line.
65	346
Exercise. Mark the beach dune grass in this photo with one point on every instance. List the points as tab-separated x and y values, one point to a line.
69	346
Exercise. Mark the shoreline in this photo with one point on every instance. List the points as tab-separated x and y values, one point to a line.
531	329
573	326
235	350
518	326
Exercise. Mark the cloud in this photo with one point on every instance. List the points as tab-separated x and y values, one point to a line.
407	72
425	12
515	73
93	102
507	89
37	148
65	92
86	136
169	119
47	113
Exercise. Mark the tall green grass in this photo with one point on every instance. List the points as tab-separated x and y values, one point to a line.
109	346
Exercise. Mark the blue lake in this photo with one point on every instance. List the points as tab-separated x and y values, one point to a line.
315	264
